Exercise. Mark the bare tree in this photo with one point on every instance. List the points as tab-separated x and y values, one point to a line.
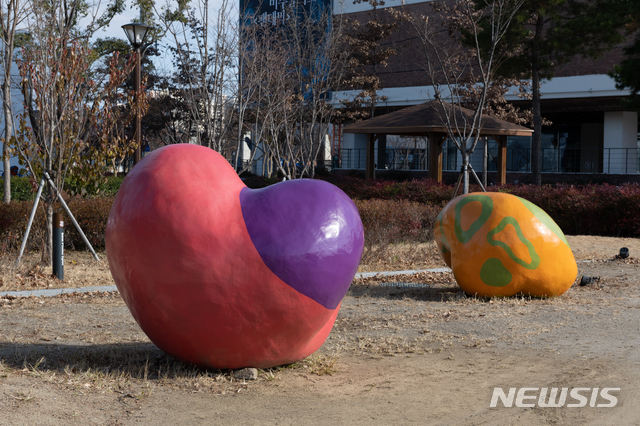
262	61
318	64
204	47
288	73
368	50
12	14
454	69
69	113
496	105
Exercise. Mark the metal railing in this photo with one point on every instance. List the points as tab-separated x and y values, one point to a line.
554	160
395	159
592	160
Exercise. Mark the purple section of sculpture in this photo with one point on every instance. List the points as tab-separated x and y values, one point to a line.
308	233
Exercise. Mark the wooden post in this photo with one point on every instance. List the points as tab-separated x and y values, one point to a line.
502	159
370	172
435	155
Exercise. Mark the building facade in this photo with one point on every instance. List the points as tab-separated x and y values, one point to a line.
591	132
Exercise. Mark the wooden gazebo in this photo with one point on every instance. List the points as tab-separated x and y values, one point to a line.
428	120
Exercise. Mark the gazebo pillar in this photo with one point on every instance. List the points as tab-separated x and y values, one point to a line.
370	172
435	155
502	159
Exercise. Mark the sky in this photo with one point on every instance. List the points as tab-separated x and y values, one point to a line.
115	30
163	63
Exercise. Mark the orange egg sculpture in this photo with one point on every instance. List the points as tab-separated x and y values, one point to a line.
499	245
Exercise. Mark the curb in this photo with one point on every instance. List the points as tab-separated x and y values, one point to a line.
51	292
111	288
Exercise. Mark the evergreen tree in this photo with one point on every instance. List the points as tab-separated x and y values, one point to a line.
550	33
627	73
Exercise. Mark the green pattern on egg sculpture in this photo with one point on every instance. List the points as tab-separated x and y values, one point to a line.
494	273
544	218
487	208
497	244
508	220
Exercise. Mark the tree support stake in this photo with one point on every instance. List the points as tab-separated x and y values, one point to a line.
66	208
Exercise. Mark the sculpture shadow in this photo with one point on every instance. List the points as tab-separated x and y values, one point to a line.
424	292
141	360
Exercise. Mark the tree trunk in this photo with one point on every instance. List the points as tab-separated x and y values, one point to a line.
485	161
536	145
46	256
6	183
47	250
465	172
8	131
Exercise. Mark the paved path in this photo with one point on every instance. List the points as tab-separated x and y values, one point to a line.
57	291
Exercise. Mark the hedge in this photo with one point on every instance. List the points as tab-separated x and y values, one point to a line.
390	211
588	210
387	222
91	214
601	209
24	188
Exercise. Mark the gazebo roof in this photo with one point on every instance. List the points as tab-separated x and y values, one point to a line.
420	120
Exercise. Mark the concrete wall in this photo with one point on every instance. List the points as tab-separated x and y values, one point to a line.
621	137
354	151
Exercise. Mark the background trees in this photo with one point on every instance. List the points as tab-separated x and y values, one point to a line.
547	34
627	73
456	72
12	14
287	76
204	49
367	51
268	94
68	124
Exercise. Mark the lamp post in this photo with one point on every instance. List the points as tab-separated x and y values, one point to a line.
136	33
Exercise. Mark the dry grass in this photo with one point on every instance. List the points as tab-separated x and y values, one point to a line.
135	371
587	247
377	320
381	316
397	257
319	364
80	270
132	372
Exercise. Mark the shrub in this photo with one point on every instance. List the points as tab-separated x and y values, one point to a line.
91	215
257	182
388	222
397	221
391	212
22	188
111	186
425	191
591	209
13	222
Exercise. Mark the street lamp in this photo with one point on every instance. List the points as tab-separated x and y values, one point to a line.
136	33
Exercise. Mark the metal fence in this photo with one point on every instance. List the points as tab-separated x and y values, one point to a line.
554	160
395	159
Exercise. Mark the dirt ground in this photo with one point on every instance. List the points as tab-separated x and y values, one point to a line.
404	350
